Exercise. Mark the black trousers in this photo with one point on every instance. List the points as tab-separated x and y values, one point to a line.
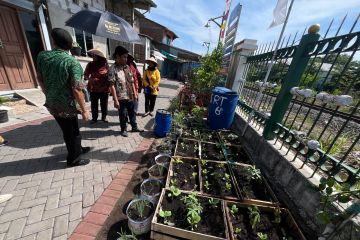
94	98
150	102
127	109
72	137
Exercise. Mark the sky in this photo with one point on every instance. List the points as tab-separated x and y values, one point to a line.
188	17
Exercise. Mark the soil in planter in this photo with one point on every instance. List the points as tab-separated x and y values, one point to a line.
209	136
163	160
216	180
158	171
191	134
183	175
230	137
212	152
187	148
134	214
253	189
266	225
237	154
212	218
151	188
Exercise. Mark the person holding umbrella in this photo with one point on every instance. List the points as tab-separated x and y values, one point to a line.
96	72
123	90
60	77
151	82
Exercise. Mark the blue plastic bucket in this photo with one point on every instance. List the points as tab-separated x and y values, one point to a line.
222	108
162	123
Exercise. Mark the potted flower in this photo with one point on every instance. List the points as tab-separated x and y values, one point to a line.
76	49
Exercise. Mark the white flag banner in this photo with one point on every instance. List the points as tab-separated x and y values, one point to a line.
279	13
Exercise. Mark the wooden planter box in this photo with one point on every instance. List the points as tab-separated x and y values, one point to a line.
202	151
194	142
287	215
171	173
162	231
242	195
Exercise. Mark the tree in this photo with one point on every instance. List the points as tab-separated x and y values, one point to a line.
206	76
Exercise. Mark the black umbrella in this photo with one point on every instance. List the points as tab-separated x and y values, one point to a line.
104	24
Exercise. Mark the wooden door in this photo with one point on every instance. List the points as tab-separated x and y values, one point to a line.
15	64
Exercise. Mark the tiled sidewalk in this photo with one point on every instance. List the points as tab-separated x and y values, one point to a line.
49	199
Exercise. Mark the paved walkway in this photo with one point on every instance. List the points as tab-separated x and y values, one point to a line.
49	199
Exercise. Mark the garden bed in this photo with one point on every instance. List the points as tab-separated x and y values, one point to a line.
235	153
187	148
181	224
254	222
229	137
211	151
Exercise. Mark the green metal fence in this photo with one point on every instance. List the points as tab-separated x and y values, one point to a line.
310	103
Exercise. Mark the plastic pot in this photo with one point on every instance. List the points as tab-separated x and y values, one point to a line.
154	197
161	169
159	159
4	116
139	227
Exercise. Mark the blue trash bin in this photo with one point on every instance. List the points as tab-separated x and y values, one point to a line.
162	123
222	108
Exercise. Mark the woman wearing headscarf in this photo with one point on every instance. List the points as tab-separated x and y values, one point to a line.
96	72
151	82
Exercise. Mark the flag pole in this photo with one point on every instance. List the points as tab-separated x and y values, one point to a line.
257	101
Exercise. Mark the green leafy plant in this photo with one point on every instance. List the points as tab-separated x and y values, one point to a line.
226	176
207	185
262	236
277	213
331	192
194	210
234	209
253	173
179	119
124	236
205	171
214	202
198	113
174	192
178	160
228	185
139	207
3	99
254	215
194	174
165	215
204	163
237	231
173	182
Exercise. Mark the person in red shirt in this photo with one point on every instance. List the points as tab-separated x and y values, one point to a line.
96	72
137	78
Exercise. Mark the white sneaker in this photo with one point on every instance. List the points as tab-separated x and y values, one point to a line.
5	197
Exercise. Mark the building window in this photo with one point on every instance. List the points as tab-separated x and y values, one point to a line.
85	40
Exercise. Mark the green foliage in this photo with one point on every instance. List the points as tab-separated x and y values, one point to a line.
206	76
194	174
139	206
165	215
174	192
262	236
125	236
277	213
214	202
206	184
178	160
194	210
254	215
237	231
198	113
174	104
253	173
234	209
179	119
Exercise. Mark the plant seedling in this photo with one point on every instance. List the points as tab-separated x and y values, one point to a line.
204	163
262	236
214	202
178	160
253	173
227	176
237	231
194	210
140	207
125	236
228	186
277	213
173	182
205	171
194	174
234	209
254	216
207	185
174	192
165	215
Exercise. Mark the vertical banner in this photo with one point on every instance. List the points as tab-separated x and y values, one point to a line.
224	21
230	38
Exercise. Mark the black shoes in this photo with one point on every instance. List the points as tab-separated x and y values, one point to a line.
124	133
137	130
78	162
85	150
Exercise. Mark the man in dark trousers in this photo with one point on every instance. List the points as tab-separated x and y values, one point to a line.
61	79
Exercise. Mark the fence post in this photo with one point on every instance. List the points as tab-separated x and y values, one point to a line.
292	79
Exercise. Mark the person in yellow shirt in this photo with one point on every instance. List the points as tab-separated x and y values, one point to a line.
151	81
